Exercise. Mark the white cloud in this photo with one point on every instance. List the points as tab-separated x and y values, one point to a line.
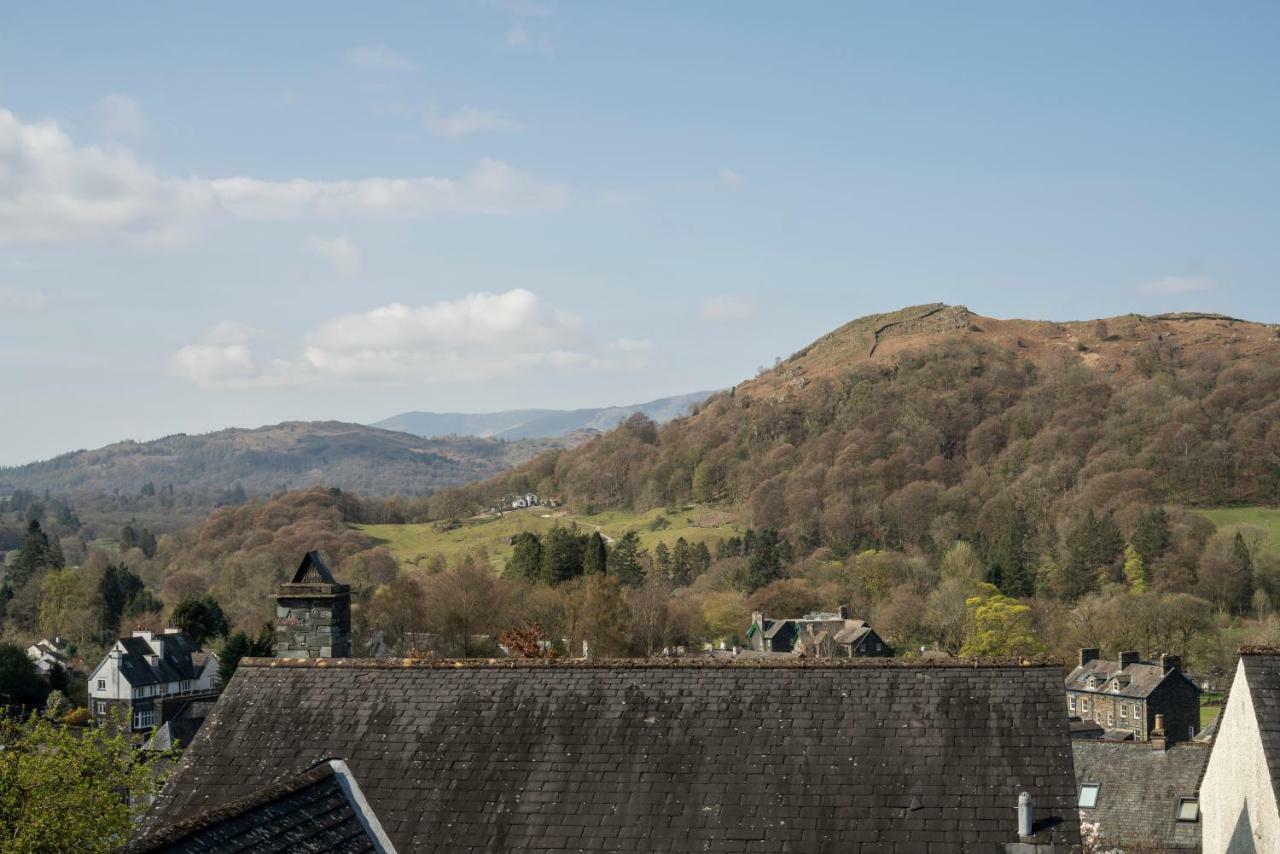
729	178
53	190
470	120
725	307
1173	285
119	116
476	338
12	299
378	56
341	252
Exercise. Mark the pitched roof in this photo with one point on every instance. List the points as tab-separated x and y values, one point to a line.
1139	789
181	660
654	756
1138	679
313	570
309	812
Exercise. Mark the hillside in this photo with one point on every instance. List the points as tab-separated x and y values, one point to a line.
910	429
291	455
539	423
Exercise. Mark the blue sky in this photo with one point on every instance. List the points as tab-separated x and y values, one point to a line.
245	213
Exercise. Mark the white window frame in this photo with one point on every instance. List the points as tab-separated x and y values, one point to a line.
1194	817
1071	703
102	684
144	719
1124	711
1088	797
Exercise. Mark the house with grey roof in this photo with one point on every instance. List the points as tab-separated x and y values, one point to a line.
141	674
1241	787
1141	796
819	634
1125	695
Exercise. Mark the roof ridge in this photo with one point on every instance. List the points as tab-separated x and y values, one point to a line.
781	662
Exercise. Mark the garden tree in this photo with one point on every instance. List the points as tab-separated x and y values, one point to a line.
649	616
562	554
239	645
20	683
526	557
998	627
65	790
56	705
1135	572
765	562
1151	536
662	560
682	563
398	610
597	615
464	603
200	619
596	555
624	561
946	617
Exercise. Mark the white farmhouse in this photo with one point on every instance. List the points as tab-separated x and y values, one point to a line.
46	654
1238	797
141	673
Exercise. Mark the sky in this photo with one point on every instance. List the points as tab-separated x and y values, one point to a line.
237	214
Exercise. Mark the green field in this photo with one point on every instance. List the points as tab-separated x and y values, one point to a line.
1267	518
415	544
1209	712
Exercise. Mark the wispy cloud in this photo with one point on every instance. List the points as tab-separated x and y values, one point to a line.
725	307
342	254
12	299
470	120
53	190
119	116
729	178
1173	285
378	56
478	337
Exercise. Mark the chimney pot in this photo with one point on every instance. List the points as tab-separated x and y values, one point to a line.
844	612
1024	816
1089	653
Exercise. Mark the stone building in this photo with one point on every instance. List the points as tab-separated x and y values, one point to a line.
313	613
145	675
1124	696
820	634
862	756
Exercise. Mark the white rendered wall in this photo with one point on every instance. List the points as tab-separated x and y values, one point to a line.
1238	779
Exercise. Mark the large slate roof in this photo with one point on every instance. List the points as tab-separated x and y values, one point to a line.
1136	680
687	755
181	660
1262	671
1139	789
309	813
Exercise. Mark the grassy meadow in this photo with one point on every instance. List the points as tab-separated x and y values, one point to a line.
415	544
1267	518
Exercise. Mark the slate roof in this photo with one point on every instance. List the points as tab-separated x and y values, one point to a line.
1139	791
1136	680
308	812
181	660
313	570
654	756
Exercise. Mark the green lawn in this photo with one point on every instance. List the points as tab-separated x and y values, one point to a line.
415	544
1267	518
1208	712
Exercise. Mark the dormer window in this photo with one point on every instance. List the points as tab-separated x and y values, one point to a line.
1115	687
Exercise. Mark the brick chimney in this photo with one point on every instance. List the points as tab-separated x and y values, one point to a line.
1158	739
1089	653
1129	657
313	613
844	612
1170	663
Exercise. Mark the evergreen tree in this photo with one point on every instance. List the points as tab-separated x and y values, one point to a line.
562	554
1009	557
1151	535
117	587
624	560
765	563
526	557
201	619
595	559
1135	571
1093	545
701	559
238	646
1244	567
682	563
662	560
128	538
32	557
147	542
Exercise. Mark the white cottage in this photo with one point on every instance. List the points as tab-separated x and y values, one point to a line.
47	654
1238	797
142	672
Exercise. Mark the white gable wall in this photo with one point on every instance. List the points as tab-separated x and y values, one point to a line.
1237	779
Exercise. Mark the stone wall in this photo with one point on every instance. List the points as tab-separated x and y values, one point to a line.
313	625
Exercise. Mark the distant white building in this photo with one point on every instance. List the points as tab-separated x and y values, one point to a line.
520	502
142	672
46	653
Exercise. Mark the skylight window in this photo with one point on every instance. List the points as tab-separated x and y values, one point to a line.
1089	797
1188	809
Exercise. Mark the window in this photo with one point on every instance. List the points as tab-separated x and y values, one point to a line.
1188	809
1191	731
1088	796
1084	705
102	684
1124	710
1071	703
100	707
1111	718
143	720
1137	710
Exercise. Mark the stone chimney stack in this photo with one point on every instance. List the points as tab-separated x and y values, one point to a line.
1130	657
1170	663
844	612
1089	653
313	613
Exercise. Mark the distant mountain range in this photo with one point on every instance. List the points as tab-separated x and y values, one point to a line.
516	424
